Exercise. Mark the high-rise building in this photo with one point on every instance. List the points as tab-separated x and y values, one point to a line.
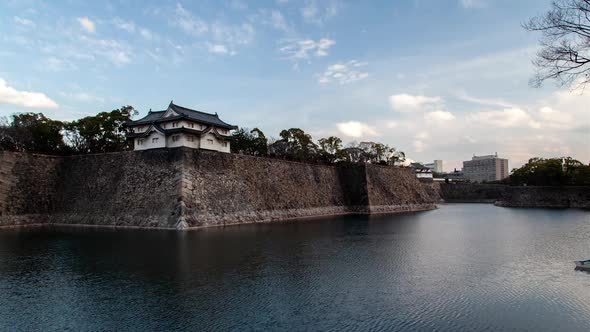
485	168
436	166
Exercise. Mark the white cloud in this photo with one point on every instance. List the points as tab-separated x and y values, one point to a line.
506	118
83	97
27	99
218	49
124	25
484	101
86	24
131	27
115	51
305	49
232	35
438	116
355	129
472	3
419	146
278	20
119	57
215	32
56	64
564	110
273	18
407	103
189	23
24	22
146	33
343	73
315	11
423	135
391	124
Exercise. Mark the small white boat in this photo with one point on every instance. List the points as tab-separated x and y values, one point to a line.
583	265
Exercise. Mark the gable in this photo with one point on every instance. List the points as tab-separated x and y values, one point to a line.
169	112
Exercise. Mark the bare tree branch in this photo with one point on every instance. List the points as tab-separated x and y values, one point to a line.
565	44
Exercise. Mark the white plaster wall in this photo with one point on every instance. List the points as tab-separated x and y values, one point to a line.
140	129
210	142
198	142
187	124
424	175
148	144
183	140
195	144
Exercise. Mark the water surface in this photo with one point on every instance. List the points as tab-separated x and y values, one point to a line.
461	267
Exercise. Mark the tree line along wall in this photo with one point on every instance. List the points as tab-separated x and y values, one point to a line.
181	187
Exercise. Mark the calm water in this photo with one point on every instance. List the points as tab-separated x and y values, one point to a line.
461	267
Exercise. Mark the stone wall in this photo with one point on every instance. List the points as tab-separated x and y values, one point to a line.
27	187
181	187
119	189
548	197
396	190
517	196
221	188
471	192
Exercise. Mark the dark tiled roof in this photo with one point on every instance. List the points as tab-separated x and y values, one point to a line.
186	113
149	118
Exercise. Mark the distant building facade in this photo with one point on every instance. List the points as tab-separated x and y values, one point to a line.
421	172
436	166
180	126
485	168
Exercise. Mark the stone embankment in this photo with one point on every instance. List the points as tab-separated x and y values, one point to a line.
184	188
548	197
517	196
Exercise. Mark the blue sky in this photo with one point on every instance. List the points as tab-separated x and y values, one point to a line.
439	79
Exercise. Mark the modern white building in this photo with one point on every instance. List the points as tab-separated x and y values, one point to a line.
436	166
485	168
180	126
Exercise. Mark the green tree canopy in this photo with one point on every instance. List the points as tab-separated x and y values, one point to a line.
104	132
32	132
551	172
329	148
252	142
295	144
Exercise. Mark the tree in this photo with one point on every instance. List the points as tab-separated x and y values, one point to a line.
32	132
104	132
329	148
252	142
352	154
6	137
295	144
565	45
396	157
551	172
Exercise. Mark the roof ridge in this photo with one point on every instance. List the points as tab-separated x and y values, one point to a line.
190	109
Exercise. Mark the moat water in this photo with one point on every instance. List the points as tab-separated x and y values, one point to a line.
461	267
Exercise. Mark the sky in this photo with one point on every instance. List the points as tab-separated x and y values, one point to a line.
437	79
